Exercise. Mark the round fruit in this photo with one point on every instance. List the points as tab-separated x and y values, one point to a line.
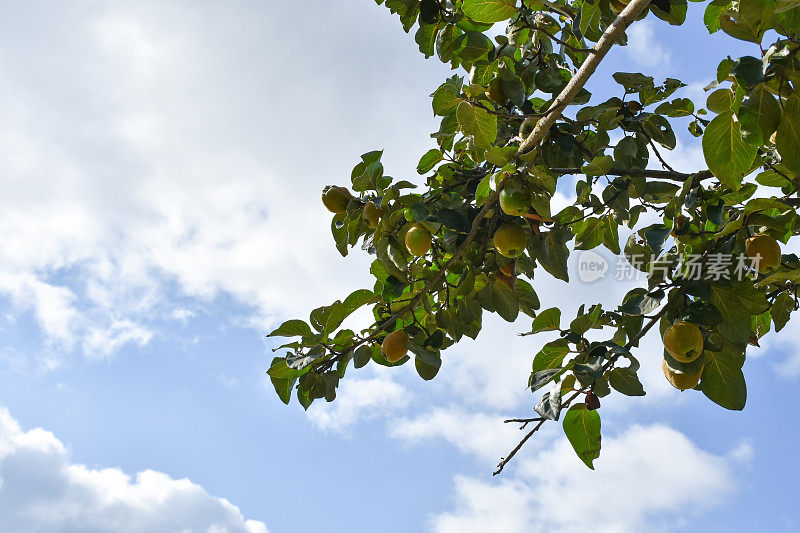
371	214
336	199
418	240
679	380
496	92
514	201
510	239
394	346
684	341
764	251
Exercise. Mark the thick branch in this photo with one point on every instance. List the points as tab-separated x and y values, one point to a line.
645	173
601	48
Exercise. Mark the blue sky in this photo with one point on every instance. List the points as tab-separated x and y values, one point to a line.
160	170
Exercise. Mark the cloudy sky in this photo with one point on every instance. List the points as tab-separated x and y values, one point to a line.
160	170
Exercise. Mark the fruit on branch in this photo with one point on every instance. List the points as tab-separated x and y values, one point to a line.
371	214
394	346
418	240
684	341
514	201
681	380
592	402
336	199
496	92
764	251
510	239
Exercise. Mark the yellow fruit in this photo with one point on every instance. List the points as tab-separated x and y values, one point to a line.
394	346
496	92
514	201
418	240
510	239
764	251
336	199
372	214
684	341
679	380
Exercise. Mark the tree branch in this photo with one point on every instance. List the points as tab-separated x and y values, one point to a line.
645	173
601	48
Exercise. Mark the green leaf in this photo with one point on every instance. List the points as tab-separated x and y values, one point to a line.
760	115
552	253
782	309
490	11
582	428
328	318
551	355
283	387
473	46
292	328
625	381
726	154
427	362
429	160
787	140
548	320
527	298
599	166
589	233
477	122
445	101
737	303
356	300
723	380
498	298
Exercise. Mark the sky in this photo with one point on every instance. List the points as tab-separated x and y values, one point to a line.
160	171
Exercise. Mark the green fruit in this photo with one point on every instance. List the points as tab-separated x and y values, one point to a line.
371	214
510	239
394	346
684	341
418	240
514	201
680	380
336	199
764	251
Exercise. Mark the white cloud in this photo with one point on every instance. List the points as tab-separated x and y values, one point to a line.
647	479
168	161
644	49
358	400
480	434
41	491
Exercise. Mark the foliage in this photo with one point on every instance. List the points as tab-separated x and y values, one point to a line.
749	129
